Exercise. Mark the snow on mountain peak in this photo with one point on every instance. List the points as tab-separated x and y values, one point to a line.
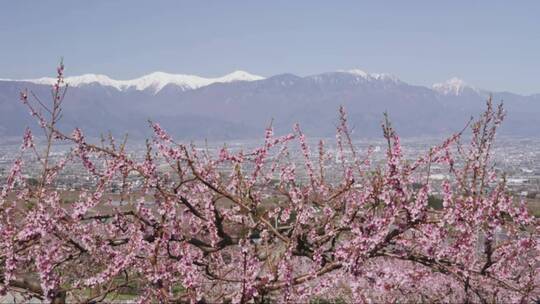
158	80
155	81
357	72
371	76
239	76
453	86
76	81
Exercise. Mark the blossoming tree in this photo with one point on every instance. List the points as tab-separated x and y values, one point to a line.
258	227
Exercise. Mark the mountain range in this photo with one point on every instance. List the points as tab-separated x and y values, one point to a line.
240	105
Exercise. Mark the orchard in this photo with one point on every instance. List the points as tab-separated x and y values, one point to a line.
257	227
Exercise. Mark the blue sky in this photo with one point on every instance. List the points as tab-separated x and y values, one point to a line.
490	44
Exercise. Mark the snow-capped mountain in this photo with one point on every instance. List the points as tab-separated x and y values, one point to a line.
240	105
154	81
453	86
371	76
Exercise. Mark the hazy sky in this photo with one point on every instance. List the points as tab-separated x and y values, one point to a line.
490	44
